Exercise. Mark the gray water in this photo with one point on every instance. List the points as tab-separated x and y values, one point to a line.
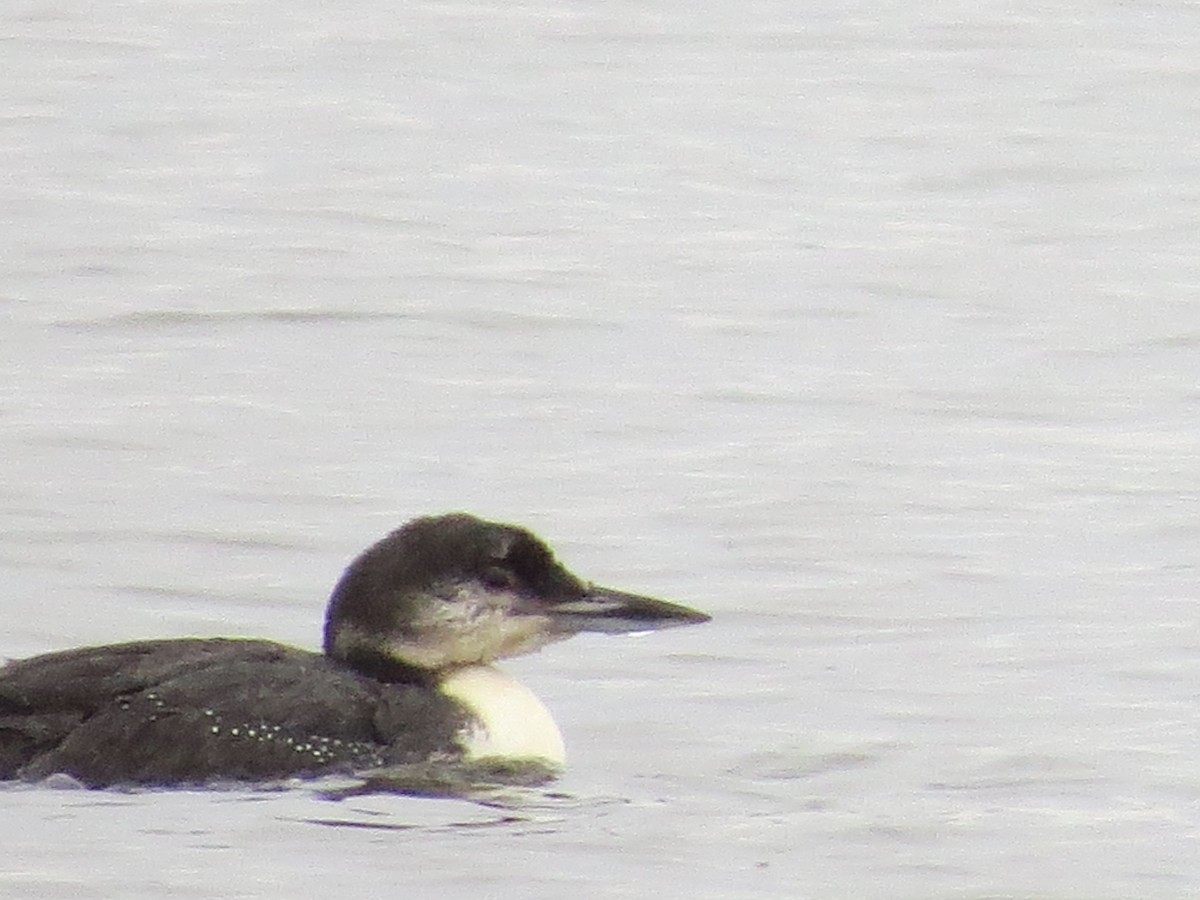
871	329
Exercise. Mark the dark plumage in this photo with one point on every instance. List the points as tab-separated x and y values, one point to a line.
193	710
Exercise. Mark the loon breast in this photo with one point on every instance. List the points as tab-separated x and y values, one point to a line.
508	721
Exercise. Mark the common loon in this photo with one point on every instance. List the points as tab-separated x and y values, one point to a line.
405	677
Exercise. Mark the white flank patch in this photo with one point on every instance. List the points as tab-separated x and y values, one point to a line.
512	722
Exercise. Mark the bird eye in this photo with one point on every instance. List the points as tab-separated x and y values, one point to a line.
499	578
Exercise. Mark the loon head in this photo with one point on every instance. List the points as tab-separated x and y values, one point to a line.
451	591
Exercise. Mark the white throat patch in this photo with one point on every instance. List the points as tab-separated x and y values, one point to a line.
511	722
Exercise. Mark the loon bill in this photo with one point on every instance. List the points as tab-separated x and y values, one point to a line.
411	631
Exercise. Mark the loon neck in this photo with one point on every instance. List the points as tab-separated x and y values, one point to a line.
507	720
377	663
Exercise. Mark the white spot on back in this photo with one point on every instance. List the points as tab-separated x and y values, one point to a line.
511	722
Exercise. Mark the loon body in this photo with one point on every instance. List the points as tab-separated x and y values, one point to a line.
410	632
